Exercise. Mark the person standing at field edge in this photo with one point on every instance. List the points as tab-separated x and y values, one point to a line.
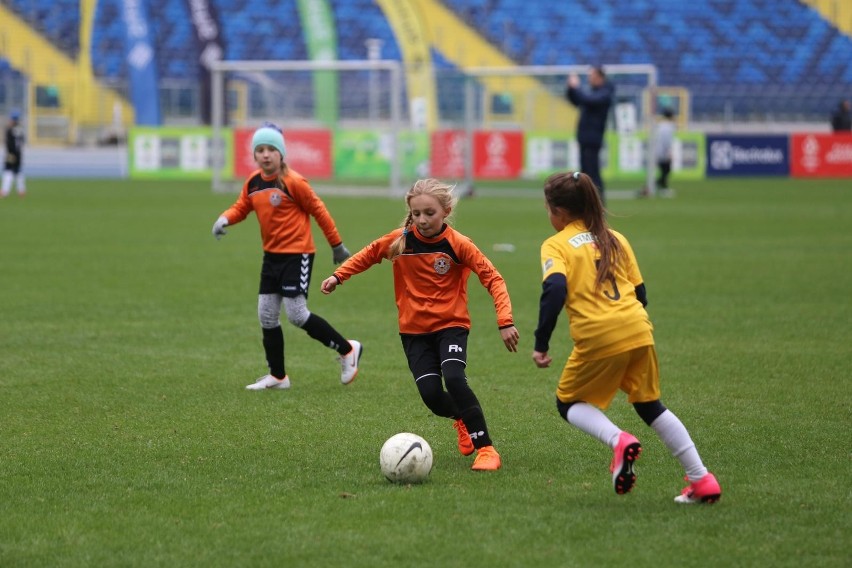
12	165
284	203
841	118
665	137
593	104
592	271
431	264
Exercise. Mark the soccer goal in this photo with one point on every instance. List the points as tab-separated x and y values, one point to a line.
532	100
349	121
326	108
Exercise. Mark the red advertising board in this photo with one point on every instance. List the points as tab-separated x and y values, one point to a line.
498	154
308	152
447	153
821	155
244	163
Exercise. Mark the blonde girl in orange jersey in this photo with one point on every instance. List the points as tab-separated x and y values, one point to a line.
284	203
590	270
431	264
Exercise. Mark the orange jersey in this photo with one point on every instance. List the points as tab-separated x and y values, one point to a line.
284	206
430	279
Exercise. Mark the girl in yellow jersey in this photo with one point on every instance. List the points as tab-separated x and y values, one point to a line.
591	271
284	203
431	265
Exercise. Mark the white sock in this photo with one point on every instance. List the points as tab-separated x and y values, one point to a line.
7	183
593	422
676	438
22	186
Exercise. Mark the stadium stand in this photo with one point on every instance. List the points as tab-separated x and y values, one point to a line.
57	20
781	50
726	52
358	21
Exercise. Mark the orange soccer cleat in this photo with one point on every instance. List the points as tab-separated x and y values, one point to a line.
487	459
465	443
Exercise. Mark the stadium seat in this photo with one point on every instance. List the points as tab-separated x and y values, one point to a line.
697	45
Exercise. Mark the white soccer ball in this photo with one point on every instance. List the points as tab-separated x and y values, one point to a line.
406	458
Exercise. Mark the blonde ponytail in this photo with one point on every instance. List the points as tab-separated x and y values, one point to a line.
398	245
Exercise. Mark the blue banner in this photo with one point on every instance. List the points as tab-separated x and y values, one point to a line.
141	63
748	155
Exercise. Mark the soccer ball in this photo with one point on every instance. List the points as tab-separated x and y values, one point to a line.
406	458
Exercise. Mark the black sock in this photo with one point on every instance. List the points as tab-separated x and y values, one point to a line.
273	345
474	421
321	330
467	403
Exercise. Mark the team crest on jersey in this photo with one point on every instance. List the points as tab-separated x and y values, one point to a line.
275	198
442	265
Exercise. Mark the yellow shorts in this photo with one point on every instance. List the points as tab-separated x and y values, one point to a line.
636	372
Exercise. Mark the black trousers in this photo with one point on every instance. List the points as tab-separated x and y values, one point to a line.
590	164
665	170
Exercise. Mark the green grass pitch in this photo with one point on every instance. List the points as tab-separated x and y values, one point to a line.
128	333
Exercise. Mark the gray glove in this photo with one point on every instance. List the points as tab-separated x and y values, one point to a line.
340	253
219	227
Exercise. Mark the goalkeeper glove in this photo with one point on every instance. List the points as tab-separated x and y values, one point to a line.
219	227
340	253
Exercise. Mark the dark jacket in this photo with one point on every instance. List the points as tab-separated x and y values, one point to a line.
594	106
14	145
841	120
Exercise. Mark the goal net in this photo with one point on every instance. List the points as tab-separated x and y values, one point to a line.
349	123
352	109
531	101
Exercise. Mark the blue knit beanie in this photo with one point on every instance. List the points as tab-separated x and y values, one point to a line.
270	136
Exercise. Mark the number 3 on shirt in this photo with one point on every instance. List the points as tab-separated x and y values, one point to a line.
614	294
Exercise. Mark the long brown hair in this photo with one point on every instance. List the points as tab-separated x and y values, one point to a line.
575	192
429	186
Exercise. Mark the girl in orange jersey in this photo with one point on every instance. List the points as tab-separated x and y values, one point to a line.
591	271
431	265
284	203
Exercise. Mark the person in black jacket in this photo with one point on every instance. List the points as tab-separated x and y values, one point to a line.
841	120
593	103
14	154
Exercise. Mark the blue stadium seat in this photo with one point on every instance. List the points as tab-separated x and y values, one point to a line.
57	20
699	45
777	44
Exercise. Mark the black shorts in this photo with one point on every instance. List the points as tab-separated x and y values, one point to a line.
286	274
14	167
426	352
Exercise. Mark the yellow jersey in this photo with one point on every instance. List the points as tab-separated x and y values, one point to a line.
605	321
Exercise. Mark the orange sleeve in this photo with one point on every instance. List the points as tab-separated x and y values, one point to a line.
489	277
373	253
309	201
241	207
